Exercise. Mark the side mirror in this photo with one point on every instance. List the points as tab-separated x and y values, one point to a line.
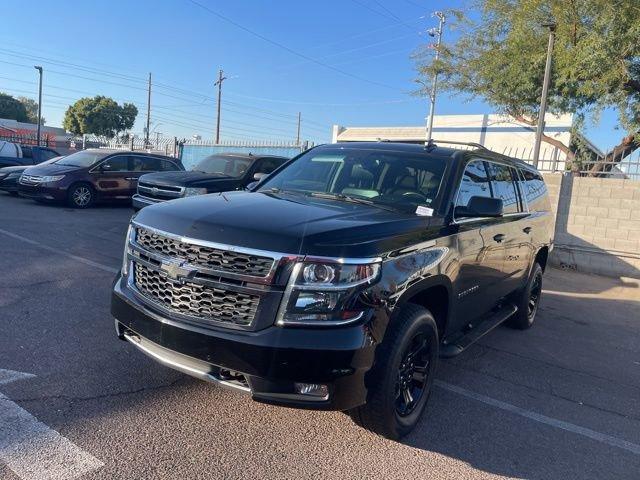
481	207
251	186
259	176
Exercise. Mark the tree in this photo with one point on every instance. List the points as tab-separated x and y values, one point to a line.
499	56
11	108
99	115
31	107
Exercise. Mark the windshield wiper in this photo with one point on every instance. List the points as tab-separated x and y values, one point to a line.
350	199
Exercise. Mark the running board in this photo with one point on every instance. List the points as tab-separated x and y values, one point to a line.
451	348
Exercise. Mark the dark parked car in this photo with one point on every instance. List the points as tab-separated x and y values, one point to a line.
9	176
30	156
339	281
216	173
94	175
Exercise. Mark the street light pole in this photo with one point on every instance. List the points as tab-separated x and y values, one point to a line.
218	83
432	96
545	94
39	68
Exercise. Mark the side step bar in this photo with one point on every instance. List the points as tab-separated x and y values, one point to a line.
453	347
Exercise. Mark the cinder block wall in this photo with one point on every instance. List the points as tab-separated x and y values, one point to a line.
597	224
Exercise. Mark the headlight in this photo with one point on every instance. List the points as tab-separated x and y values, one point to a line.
322	292
51	178
12	175
190	192
125	257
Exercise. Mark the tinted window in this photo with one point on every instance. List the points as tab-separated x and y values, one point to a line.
145	164
475	183
394	178
504	187
268	165
26	152
119	163
534	189
224	164
168	166
85	158
47	155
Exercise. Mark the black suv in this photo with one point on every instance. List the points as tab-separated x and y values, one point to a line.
216	173
338	281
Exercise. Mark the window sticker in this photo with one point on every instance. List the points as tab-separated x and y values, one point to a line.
424	211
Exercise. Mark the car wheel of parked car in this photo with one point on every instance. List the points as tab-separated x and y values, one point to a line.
528	300
401	378
80	195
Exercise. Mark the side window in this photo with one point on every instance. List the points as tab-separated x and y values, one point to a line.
27	152
47	155
475	183
168	166
504	187
145	164
119	163
534	188
268	165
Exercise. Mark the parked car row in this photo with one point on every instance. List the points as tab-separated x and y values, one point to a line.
102	175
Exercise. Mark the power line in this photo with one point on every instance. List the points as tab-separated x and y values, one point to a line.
288	49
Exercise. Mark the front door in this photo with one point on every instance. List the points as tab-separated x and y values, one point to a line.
110	178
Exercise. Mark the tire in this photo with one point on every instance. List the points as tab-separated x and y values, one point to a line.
528	301
77	195
383	413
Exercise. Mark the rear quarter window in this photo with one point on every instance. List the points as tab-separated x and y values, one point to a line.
535	190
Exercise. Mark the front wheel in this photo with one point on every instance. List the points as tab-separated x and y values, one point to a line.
80	195
401	378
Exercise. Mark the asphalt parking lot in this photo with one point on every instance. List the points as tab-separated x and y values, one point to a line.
559	401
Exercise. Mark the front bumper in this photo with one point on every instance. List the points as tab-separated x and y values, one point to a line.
139	202
9	184
266	363
43	192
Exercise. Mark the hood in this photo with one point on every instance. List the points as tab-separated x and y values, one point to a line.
17	169
51	169
291	223
214	182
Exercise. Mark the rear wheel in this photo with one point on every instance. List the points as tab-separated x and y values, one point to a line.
80	195
528	300
400	381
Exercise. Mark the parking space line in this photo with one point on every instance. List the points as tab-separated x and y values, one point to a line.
33	450
569	427
86	261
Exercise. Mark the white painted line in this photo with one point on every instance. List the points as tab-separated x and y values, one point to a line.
569	427
34	451
86	261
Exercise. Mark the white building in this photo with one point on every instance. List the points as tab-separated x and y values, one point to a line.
499	133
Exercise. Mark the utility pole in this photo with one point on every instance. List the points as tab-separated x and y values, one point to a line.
39	68
433	32
298	135
146	135
218	83
545	93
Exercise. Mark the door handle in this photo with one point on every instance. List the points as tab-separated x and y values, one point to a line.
499	237
527	229
132	178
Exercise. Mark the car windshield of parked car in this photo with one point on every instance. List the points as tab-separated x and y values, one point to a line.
402	180
224	165
85	158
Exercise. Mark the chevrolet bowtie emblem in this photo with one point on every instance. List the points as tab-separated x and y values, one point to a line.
154	190
177	270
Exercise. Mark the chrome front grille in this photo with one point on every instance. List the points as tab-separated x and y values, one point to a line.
159	192
207	257
30	179
195	300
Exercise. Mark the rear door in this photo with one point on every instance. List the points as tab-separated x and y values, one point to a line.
110	178
141	164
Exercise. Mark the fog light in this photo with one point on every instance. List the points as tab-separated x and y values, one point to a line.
313	390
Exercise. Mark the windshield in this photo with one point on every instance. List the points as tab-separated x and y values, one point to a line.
85	158
397	179
225	165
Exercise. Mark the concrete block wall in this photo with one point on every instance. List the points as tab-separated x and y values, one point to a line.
597	224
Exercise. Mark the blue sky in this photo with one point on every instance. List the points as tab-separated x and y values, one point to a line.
108	47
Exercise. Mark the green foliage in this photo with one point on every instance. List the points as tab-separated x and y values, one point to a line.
12	108
99	115
499	56
31	107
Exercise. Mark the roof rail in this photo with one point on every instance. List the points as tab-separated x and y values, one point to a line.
434	143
